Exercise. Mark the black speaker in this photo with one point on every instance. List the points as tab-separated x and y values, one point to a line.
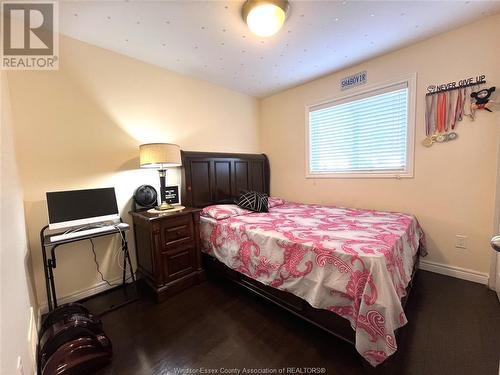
145	197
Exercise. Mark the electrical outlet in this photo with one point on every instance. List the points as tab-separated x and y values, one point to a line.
460	241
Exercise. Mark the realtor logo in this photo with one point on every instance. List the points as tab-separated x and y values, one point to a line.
29	36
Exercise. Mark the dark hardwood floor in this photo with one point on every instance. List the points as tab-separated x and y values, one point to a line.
454	328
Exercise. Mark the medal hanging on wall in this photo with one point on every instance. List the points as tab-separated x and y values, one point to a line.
443	110
430	121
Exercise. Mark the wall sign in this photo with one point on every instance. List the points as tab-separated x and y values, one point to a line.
472	81
172	194
354	80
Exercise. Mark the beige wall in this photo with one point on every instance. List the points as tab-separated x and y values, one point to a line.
80	127
453	188
16	290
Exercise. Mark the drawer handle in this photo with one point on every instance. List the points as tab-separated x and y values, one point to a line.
178	239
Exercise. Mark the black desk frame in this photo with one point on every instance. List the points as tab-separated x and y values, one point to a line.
50	264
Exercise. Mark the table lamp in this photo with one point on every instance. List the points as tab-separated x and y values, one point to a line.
160	156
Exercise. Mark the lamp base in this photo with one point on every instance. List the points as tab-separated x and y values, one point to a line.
164	206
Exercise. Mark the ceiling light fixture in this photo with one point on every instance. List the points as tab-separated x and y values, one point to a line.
265	17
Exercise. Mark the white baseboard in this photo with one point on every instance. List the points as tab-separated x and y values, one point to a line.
458	272
81	294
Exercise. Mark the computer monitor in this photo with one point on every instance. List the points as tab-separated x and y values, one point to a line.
80	207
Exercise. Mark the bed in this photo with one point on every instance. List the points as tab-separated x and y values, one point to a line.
348	271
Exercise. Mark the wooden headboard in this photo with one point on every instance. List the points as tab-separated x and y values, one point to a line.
215	178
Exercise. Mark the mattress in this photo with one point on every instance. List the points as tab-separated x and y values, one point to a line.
356	263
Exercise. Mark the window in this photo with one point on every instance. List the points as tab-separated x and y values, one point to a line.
369	134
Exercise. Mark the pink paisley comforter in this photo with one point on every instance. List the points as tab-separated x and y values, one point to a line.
356	263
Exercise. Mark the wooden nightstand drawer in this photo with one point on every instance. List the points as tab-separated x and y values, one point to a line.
176	232
178	264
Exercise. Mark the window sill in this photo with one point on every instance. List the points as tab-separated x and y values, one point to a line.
370	175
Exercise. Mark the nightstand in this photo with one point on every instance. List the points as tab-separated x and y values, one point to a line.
168	250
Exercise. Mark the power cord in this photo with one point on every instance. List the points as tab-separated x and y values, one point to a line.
97	263
116	255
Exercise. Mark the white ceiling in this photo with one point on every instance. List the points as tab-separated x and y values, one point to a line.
210	41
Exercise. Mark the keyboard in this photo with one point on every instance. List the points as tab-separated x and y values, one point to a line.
86	232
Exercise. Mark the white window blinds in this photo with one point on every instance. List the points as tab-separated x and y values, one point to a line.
366	133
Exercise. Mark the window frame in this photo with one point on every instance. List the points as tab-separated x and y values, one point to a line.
411	81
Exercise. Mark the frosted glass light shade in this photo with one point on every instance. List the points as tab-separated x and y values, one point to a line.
264	17
160	155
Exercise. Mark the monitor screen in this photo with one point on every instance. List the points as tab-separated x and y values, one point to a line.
75	207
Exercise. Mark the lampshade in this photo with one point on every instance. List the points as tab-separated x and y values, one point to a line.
160	155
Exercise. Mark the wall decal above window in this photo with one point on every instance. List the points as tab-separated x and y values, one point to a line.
354	80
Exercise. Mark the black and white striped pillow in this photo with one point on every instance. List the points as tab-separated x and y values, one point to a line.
254	201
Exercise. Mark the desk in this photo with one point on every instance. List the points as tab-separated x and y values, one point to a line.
50	263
